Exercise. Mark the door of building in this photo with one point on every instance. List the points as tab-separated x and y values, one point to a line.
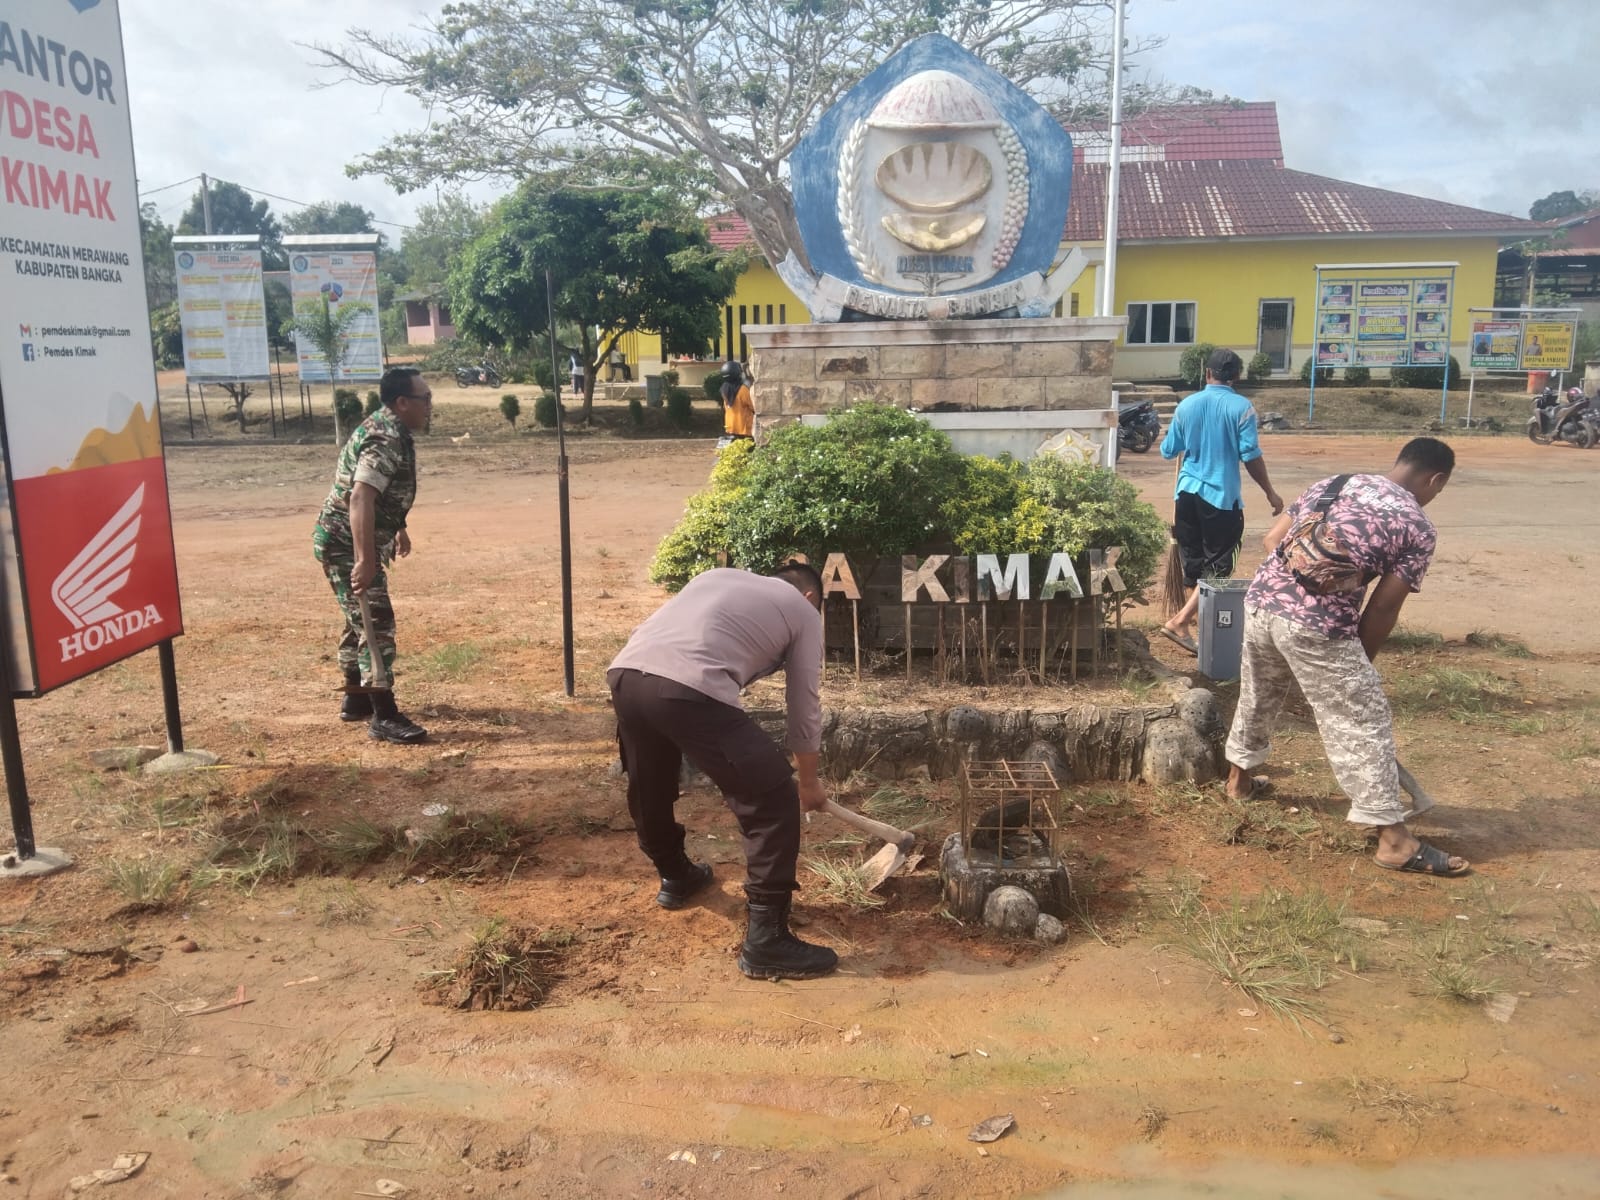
1273	332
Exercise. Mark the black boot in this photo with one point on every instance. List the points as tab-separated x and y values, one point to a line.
770	951
678	888
389	724
357	706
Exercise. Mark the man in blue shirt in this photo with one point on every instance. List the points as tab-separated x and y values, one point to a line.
1214	431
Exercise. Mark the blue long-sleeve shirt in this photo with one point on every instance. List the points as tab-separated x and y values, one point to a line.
1215	431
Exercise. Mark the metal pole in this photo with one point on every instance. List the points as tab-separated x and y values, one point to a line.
1472	383
205	202
11	757
561	491
169	697
1316	335
1444	391
1108	271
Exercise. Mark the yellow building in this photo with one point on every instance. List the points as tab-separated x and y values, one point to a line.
1217	242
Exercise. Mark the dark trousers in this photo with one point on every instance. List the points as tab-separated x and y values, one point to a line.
1208	538
659	724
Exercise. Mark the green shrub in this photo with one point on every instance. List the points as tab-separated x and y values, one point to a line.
510	408
540	376
636	412
374	402
1091	508
875	481
696	540
1357	376
347	407
544	410
680	407
1192	364
1427	377
713	388
1259	368
872	480
1324	374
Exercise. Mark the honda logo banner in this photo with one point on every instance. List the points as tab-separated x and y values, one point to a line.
85	530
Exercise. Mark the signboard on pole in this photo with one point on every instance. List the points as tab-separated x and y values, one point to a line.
85	529
223	313
1542	342
341	277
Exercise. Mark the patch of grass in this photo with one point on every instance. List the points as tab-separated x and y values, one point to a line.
264	850
1458	694
145	883
1498	642
1456	978
356	840
1278	948
452	661
464	843
1384	1095
344	905
843	881
903	810
504	967
1415	639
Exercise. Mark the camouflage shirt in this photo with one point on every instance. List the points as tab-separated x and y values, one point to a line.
380	453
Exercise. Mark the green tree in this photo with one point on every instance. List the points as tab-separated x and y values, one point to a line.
1563	204
160	273
596	87
234	210
326	327
329	216
438	235
621	261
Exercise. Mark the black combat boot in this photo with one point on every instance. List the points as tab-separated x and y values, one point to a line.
770	951
389	724
679	887
357	706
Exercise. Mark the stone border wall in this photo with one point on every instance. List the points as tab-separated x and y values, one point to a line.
1050	363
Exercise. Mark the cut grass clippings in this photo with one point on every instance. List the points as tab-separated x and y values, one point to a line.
1278	948
843	881
505	968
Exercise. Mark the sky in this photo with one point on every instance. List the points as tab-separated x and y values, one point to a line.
1477	102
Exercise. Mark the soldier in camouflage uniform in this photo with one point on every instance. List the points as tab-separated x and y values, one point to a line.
361	527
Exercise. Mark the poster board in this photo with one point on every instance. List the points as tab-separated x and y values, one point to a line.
223	313
90	576
343	277
1513	340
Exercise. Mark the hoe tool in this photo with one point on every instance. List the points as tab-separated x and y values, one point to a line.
897	844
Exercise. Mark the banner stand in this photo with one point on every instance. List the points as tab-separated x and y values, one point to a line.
28	861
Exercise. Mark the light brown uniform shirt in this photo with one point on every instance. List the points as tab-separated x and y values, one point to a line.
725	630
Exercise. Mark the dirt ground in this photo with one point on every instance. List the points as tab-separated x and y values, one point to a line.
1245	1006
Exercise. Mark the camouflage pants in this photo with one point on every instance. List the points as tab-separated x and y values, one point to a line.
338	560
1346	696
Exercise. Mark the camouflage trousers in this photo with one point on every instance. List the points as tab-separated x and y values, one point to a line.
1346	696
338	560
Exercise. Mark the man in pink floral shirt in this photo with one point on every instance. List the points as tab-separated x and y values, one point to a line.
1297	631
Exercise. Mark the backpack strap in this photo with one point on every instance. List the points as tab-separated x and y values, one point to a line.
1330	494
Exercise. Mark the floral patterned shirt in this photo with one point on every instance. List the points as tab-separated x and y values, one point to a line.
1385	531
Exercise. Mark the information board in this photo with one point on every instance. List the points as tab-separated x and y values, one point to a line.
223	313
1506	343
343	277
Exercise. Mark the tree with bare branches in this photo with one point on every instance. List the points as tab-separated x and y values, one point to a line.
613	92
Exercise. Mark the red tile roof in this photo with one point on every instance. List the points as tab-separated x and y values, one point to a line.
1189	133
1176	201
728	231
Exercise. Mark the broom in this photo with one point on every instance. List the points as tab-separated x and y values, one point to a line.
1173	594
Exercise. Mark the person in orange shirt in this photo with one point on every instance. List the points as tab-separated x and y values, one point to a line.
738	409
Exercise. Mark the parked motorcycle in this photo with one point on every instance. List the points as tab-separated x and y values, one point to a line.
1138	426
1563	419
482	373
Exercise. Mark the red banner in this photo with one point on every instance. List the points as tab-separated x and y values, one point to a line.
100	577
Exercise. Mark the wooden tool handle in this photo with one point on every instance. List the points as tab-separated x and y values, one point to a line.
380	670
896	837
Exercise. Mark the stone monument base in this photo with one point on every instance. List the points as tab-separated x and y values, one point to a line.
967	879
1026	364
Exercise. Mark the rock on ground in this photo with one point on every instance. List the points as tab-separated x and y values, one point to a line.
1011	910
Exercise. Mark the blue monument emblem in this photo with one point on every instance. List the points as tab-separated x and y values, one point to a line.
935	188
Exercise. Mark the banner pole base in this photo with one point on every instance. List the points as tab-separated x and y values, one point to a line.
45	860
